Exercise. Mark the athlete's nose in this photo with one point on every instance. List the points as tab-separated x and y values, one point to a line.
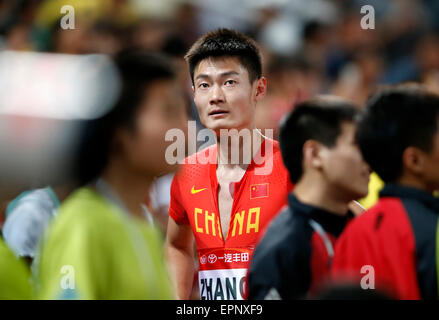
217	95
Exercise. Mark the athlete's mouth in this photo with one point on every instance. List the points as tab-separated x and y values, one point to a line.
217	112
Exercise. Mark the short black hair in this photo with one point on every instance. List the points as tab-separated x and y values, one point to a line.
396	117
137	70
317	119
226	43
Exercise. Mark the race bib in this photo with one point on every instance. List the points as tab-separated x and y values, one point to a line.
223	273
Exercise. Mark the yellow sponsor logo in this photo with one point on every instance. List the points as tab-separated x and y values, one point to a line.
244	222
193	191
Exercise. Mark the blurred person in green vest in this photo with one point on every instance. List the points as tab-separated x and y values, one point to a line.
102	244
15	279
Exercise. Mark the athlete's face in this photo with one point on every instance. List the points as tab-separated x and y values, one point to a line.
224	96
161	109
343	165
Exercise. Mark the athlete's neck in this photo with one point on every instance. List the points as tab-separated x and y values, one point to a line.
237	149
318	194
128	185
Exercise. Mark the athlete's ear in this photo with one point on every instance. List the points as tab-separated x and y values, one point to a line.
312	154
261	88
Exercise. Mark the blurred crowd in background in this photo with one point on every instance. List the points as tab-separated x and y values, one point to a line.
309	47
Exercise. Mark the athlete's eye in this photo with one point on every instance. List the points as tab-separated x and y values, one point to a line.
203	85
230	82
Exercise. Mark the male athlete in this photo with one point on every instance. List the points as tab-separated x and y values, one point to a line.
224	204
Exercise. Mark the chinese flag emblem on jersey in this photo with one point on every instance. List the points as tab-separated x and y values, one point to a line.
259	190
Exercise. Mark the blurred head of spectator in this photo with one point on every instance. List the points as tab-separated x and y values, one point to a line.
104	37
316	43
16	23
69	41
149	34
427	53
359	77
291	80
150	103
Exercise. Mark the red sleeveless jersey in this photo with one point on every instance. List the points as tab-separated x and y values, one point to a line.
257	198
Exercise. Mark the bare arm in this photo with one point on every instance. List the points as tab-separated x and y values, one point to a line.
179	251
